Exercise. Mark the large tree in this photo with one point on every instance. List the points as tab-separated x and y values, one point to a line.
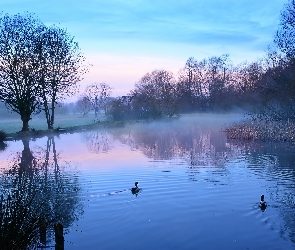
19	65
61	68
39	66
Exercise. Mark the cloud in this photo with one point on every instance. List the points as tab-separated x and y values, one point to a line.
227	23
171	21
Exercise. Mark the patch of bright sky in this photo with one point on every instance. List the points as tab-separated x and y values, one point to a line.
124	39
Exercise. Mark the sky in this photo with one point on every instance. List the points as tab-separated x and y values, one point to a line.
125	39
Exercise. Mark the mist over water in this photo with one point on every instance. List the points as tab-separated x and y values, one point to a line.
198	189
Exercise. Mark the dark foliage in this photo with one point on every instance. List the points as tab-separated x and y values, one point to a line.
2	136
39	66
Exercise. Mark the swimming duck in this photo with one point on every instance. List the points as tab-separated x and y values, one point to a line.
135	189
262	203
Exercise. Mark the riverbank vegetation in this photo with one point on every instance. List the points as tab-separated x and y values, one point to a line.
263	131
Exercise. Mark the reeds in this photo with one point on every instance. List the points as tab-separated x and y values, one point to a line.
263	131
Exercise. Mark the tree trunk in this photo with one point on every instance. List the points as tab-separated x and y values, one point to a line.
52	112
25	120
45	102
47	114
96	106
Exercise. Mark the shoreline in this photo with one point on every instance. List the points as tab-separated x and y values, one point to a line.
246	130
57	131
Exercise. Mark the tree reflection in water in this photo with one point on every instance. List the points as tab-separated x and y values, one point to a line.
97	140
199	146
36	194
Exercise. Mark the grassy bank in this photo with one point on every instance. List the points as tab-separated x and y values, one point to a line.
63	124
72	123
262	130
11	126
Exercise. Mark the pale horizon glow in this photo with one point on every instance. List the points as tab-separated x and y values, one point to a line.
123	40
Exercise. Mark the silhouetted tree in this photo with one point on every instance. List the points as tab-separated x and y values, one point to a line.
217	71
155	95
122	108
248	84
276	86
19	65
39	66
98	93
192	86
61	68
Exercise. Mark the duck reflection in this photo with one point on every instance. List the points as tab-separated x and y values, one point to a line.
36	195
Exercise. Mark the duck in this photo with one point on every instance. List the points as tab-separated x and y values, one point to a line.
262	203
135	189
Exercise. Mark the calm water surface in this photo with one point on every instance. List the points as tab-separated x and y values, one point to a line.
198	190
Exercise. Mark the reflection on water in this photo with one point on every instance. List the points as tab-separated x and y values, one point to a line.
199	145
197	190
36	195
97	141
276	163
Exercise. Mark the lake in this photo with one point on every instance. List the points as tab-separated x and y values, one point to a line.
198	190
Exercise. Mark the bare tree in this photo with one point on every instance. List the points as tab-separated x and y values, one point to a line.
98	94
39	66
217	79
83	105
192	85
19	65
61	68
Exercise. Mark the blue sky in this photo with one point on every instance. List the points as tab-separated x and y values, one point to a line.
125	39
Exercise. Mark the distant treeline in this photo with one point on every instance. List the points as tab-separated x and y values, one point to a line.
207	85
214	84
